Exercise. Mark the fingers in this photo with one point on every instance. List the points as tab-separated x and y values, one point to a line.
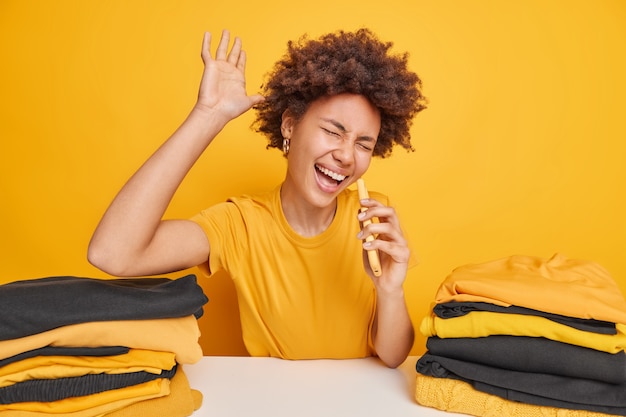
222	48
236	56
375	209
390	247
241	62
385	232
206	47
236	53
390	238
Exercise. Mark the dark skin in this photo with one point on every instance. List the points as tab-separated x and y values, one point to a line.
132	239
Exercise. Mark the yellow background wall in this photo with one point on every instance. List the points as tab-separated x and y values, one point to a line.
521	151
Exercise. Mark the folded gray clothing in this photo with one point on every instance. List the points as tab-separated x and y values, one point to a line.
457	309
534	354
528	387
47	390
67	351
33	306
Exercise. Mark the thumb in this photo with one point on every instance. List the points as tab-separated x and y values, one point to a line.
256	99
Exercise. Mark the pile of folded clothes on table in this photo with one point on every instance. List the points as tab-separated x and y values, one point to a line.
524	336
86	347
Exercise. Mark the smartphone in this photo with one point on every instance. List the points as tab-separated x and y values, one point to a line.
372	255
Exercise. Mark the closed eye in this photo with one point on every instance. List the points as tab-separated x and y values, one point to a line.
330	132
366	146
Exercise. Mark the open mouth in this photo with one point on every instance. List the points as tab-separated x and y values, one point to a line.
330	175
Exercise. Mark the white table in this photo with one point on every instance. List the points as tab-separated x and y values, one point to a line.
246	386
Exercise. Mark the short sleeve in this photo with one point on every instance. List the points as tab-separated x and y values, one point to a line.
224	227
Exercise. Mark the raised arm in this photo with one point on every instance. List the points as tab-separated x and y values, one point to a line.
132	239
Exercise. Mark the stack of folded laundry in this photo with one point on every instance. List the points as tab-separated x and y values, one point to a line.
525	336
86	347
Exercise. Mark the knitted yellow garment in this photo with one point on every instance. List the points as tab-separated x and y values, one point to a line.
456	396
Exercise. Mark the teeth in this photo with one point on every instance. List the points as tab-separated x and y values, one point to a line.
331	174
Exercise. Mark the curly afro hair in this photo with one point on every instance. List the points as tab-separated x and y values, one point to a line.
343	62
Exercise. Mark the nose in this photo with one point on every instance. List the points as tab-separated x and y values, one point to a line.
344	152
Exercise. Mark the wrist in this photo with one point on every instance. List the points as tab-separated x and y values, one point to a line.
209	115
392	292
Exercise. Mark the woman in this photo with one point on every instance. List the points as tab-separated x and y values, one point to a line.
296	253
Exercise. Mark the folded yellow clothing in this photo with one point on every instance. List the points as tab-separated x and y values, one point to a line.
97	411
456	396
485	323
156	388
177	335
50	367
574	288
181	402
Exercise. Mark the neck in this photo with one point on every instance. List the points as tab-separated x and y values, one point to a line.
304	218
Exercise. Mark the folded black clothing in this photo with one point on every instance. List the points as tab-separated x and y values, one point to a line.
33	306
534	354
67	351
456	309
528	387
524	398
47	390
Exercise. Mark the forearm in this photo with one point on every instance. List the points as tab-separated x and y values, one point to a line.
132	238
131	221
393	332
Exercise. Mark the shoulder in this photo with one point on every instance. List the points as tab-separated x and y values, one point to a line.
236	209
260	202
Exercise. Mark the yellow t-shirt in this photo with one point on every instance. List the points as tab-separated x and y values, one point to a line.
178	335
487	323
569	287
54	367
299	298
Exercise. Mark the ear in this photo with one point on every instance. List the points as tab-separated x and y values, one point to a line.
287	124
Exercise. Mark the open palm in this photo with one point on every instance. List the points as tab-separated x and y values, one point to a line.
223	85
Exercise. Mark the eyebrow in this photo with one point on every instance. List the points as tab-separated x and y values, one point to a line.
344	130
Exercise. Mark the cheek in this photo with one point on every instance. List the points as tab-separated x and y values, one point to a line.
362	162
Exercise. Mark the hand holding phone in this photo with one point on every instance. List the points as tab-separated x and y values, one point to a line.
372	255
